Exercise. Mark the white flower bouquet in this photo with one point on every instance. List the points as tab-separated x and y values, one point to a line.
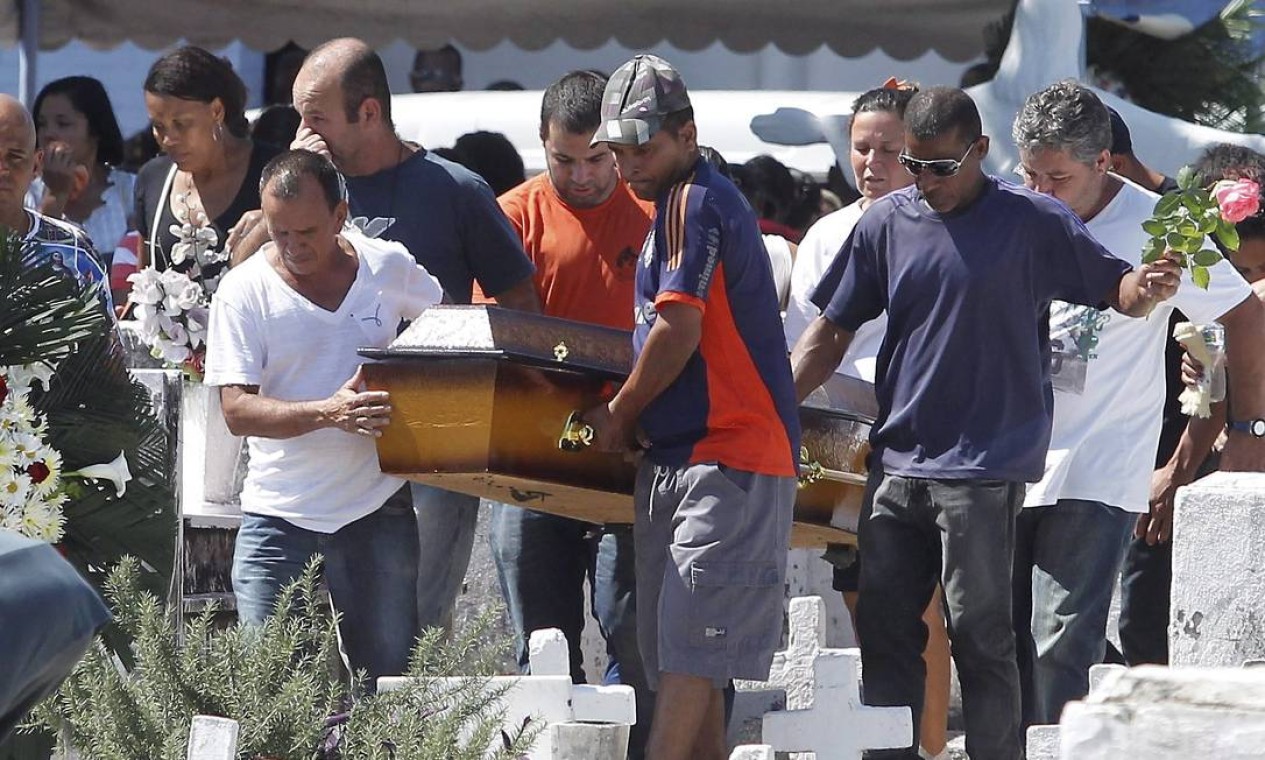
32	484
31	495
171	310
197	250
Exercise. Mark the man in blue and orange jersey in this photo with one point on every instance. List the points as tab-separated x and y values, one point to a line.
711	390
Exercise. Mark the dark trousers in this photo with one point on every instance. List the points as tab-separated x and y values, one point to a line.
1145	583
916	531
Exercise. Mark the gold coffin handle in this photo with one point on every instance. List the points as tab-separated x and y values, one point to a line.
577	435
811	471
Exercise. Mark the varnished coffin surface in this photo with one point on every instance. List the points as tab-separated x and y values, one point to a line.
481	397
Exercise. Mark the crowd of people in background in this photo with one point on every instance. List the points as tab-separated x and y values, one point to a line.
721	271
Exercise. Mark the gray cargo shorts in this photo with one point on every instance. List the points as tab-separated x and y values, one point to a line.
711	545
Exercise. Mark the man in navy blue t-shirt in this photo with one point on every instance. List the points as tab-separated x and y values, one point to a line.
965	266
448	219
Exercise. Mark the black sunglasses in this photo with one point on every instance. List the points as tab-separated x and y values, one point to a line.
940	167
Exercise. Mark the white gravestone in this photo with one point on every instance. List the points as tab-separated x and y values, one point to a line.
212	738
1043	741
1169	714
212	462
547	696
1217	616
838	726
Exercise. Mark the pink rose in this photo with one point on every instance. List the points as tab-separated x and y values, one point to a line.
1238	199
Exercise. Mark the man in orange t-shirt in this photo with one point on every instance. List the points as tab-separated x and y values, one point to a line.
583	229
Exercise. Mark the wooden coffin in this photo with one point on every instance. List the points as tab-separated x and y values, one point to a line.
482	398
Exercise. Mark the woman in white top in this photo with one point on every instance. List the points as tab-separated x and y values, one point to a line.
877	137
81	143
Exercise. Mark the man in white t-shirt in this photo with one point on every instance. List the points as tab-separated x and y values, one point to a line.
284	330
1108	378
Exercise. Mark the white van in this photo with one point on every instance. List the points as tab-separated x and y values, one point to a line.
724	120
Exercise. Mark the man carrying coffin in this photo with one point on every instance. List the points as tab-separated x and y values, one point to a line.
711	392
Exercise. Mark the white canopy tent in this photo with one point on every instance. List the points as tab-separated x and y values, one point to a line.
904	29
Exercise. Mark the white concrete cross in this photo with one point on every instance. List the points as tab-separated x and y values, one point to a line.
212	738
548	697
790	683
838	726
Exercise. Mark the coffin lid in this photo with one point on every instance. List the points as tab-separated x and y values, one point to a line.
454	332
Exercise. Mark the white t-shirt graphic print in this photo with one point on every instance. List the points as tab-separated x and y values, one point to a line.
1108	373
264	333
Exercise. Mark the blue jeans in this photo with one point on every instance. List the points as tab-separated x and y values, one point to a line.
370	567
542	561
445	532
914	532
1067	557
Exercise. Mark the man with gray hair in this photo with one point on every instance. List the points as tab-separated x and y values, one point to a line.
1108	378
314	485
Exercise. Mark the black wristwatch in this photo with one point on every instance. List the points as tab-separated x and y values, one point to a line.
1254	428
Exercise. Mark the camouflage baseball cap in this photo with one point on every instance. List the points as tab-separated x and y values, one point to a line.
639	94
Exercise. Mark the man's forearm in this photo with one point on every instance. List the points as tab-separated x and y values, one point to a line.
520	297
248	413
1195	443
817	354
672	340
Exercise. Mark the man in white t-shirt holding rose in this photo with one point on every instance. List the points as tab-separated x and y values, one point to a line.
282	346
1109	387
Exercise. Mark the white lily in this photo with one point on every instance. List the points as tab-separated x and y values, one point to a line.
116	472
173	353
146	287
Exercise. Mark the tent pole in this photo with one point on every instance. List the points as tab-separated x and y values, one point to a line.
28	49
1082	56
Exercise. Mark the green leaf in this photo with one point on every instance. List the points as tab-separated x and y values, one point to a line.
1175	241
1167	204
1228	235
1154	227
1200	276
1152	250
1207	257
1188	229
1208	224
1186	178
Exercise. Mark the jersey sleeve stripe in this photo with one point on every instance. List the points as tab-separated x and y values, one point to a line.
678	212
673	296
670	231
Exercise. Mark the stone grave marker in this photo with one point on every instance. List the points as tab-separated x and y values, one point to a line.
547	697
838	726
212	738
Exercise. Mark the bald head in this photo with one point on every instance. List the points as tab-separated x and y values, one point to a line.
16	121
355	69
18	157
